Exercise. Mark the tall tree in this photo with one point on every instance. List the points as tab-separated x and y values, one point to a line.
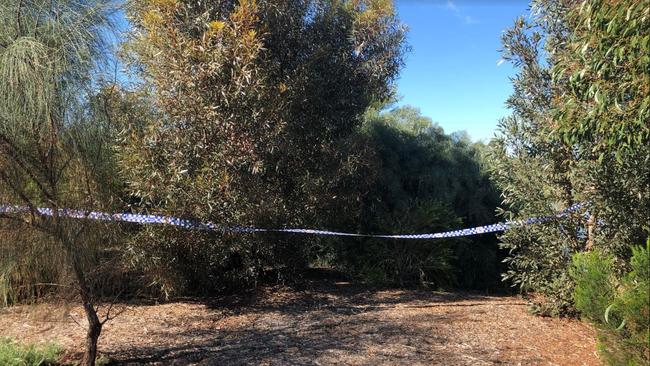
53	151
578	133
259	103
531	167
603	113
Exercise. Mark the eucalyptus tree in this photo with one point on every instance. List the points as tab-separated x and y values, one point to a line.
604	114
578	133
531	168
260	101
53	150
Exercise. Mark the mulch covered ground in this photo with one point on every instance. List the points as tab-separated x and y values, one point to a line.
324	323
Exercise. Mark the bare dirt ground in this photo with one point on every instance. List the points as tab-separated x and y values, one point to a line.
323	323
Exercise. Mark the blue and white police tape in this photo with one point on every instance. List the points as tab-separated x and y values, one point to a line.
191	224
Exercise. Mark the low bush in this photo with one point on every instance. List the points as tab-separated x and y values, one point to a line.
619	308
387	262
594	292
13	353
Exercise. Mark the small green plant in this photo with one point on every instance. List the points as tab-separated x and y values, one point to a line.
620	309
13	353
593	291
102	361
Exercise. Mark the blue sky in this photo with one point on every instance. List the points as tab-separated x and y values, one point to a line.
451	73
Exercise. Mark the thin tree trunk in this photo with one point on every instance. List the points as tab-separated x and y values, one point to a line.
92	335
94	324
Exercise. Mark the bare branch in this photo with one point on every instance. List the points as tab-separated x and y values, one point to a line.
75	321
107	316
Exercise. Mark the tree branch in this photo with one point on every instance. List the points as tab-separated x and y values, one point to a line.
12	151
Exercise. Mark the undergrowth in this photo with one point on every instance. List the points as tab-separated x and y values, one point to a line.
13	353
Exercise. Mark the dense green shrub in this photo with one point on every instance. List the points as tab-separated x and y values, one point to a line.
404	262
594	292
619	309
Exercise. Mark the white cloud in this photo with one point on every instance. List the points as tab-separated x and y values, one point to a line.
458	13
470	20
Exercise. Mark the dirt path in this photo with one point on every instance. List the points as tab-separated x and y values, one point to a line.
326	324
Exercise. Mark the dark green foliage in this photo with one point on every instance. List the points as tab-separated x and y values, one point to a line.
619	308
592	273
426	181
403	262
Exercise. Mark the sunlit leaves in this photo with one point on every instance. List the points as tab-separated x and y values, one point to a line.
609	107
258	100
579	131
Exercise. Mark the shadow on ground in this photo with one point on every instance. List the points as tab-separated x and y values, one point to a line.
321	323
